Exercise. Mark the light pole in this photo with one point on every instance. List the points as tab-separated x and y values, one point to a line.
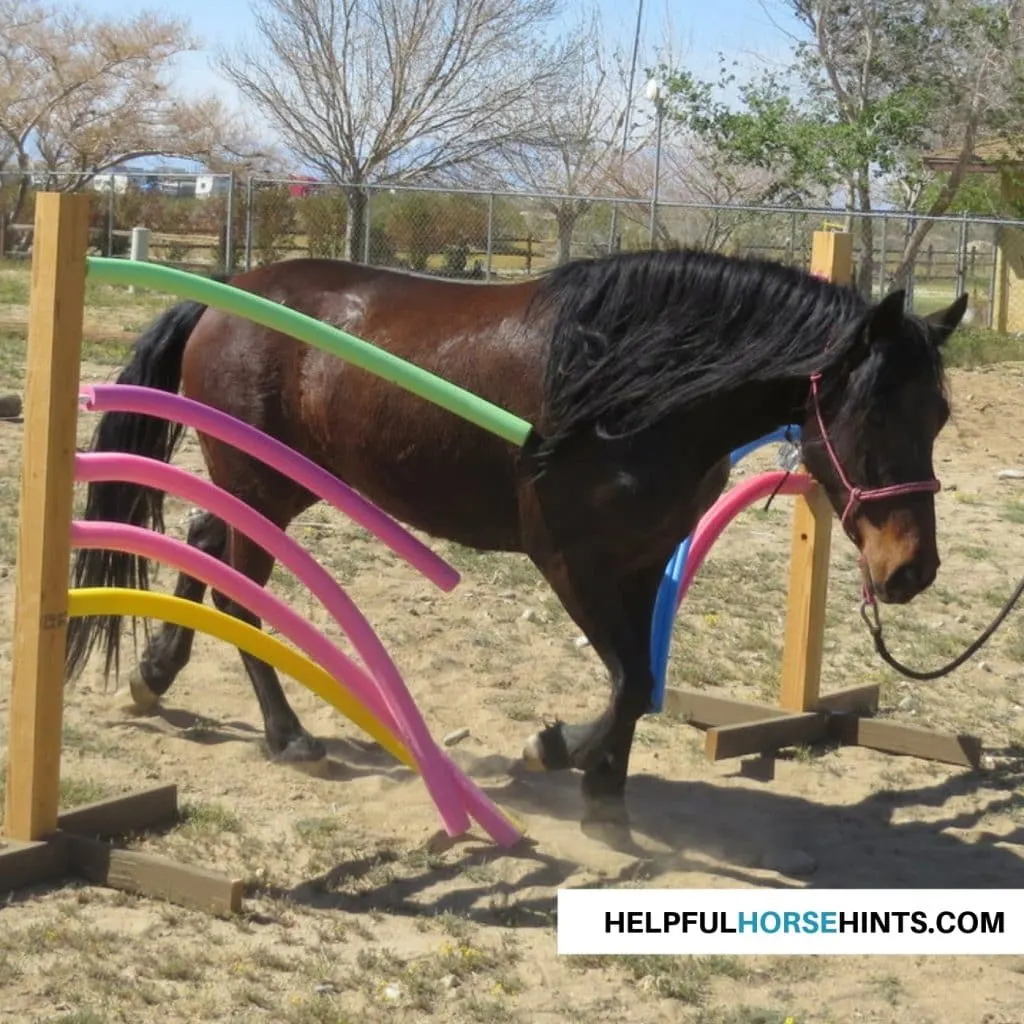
654	94
626	126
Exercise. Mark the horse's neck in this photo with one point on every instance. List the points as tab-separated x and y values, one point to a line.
741	416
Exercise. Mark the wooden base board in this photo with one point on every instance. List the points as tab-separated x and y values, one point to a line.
78	848
737	728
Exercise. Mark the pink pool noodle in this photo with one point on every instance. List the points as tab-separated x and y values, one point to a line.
254	442
718	517
231	583
399	702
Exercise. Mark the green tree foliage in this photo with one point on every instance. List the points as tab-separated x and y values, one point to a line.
874	86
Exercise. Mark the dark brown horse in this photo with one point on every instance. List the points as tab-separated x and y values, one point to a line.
640	372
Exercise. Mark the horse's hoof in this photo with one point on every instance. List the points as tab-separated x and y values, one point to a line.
304	752
533	753
546	751
144	699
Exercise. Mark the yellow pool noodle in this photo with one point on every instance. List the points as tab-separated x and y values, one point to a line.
189	614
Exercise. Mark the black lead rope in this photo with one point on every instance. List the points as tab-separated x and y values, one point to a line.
874	624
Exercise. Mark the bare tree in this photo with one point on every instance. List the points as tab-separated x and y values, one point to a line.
79	95
571	155
391	91
694	174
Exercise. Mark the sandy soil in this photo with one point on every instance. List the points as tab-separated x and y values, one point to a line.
350	916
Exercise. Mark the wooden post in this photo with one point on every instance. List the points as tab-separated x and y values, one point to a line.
832	259
44	540
808	591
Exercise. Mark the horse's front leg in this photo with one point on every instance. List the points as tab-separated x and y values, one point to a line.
615	615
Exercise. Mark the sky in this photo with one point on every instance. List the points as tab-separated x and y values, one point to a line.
741	28
751	32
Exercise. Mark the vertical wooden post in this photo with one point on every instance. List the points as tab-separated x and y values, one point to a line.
45	510
808	590
831	258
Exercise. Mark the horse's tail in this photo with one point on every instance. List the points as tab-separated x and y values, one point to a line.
155	363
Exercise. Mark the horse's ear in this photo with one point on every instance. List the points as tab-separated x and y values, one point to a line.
885	319
944	322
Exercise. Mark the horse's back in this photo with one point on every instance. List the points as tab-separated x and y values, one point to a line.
410	456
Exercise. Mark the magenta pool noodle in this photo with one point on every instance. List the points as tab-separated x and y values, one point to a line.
206	420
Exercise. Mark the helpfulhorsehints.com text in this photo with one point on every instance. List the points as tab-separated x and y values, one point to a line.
808	922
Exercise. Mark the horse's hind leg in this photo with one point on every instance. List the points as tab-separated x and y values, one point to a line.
169	649
287	741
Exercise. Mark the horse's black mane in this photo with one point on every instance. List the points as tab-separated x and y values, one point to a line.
639	336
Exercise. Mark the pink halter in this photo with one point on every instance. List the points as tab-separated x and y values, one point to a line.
858	495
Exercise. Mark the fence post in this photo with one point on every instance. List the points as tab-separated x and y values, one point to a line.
490	234
883	267
912	269
832	259
229	228
60	240
110	216
961	257
139	249
248	221
993	279
366	225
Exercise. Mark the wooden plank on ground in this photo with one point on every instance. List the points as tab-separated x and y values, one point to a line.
121	815
44	540
909	740
24	864
704	710
854	700
766	735
155	876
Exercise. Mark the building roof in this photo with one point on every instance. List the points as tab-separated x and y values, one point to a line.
989	157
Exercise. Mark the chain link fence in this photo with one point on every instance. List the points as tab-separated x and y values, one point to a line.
221	223
191	217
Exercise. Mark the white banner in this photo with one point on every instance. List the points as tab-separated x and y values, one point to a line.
791	921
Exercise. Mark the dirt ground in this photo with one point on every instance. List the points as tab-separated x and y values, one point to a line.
350	917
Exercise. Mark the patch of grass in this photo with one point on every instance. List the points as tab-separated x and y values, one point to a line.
497	569
10	972
889	987
489	1010
684	979
318	1009
971	347
744	1015
421	983
74	792
1012	512
204	819
317	830
87	742
78	1017
1013	642
974	552
63	937
175	967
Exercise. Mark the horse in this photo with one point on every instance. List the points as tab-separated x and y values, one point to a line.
639	373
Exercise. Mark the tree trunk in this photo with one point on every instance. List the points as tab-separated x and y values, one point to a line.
21	192
942	203
565	217
355	225
864	278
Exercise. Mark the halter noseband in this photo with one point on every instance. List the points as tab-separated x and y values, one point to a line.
858	495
